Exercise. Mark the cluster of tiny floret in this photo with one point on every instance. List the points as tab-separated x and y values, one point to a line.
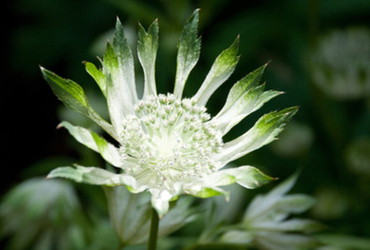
169	140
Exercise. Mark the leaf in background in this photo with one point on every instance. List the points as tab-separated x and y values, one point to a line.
40	214
131	213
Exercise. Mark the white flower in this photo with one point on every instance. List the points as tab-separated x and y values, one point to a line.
339	63
169	145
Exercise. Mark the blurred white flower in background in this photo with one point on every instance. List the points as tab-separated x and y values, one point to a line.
339	64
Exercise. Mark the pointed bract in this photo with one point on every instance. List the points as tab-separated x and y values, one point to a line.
92	175
126	64
263	132
222	68
249	102
246	176
147	51
74	97
206	192
98	76
249	81
188	53
91	140
244	98
68	91
118	68
161	201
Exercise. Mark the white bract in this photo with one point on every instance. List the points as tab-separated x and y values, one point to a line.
169	145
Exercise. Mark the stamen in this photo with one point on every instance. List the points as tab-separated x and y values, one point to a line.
169	140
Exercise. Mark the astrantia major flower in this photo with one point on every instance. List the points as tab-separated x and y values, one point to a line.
169	145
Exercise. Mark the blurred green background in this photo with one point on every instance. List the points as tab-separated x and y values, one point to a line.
320	56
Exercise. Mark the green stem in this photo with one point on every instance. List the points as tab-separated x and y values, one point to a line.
120	246
152	243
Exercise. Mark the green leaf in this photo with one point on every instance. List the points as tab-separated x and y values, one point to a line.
263	132
284	186
127	209
292	225
273	208
188	52
92	175
25	216
342	241
222	68
93	141
98	76
274	240
237	237
294	203
130	215
147	51
261	203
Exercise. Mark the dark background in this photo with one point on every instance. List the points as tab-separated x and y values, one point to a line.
60	34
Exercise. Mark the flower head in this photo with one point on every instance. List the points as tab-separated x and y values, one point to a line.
339	63
169	145
167	141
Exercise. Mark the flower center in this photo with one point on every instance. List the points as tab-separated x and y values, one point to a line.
169	140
